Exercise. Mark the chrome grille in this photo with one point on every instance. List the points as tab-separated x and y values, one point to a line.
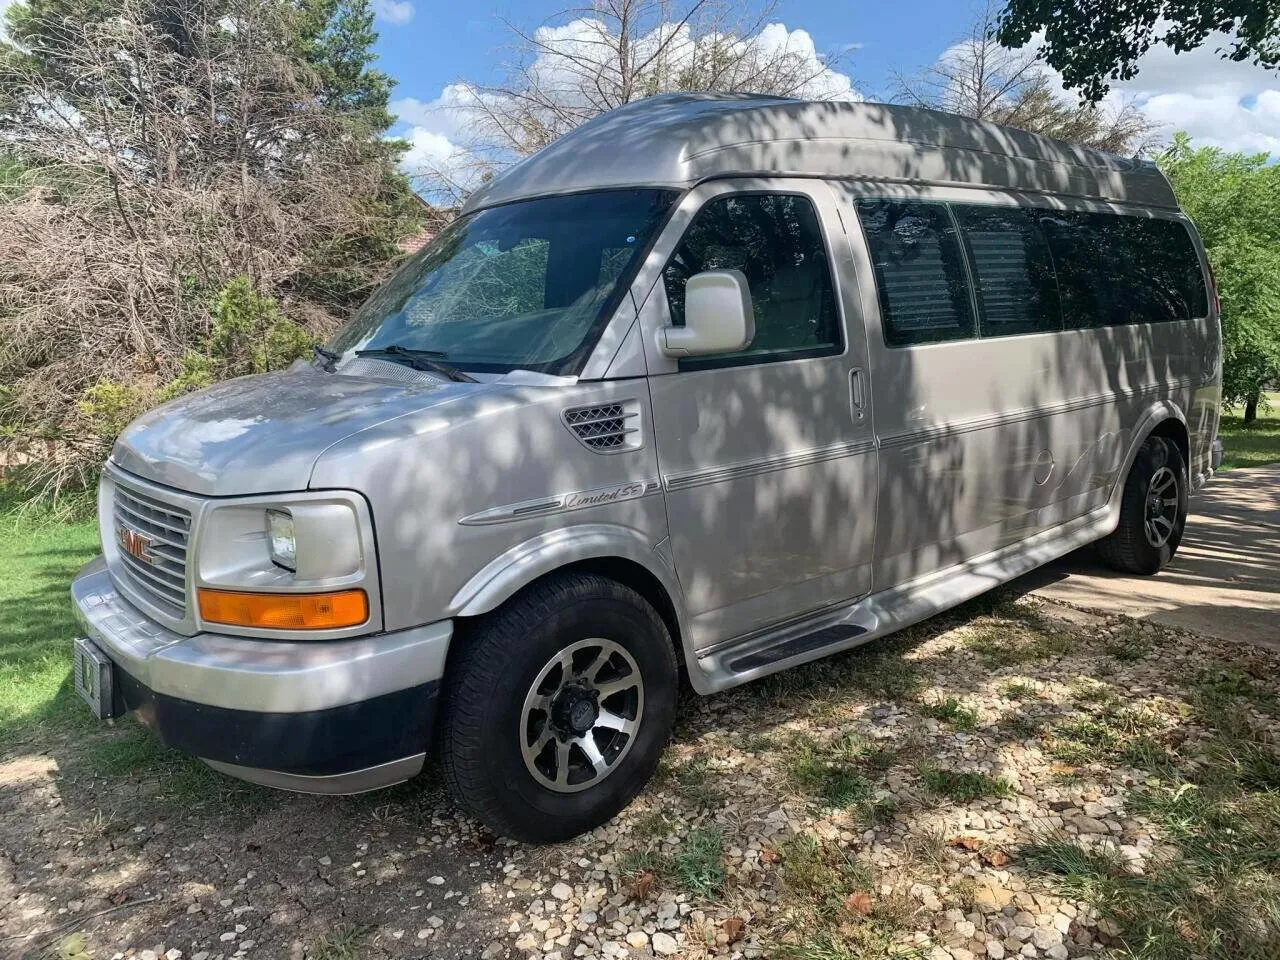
607	427
168	530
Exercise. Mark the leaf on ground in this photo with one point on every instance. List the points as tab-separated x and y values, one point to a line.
73	948
994	857
769	856
859	903
733	927
643	886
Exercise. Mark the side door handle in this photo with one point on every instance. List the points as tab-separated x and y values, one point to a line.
857	393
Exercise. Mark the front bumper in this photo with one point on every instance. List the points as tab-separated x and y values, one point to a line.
319	716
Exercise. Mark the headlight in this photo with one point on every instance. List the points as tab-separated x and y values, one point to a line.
283	542
267	566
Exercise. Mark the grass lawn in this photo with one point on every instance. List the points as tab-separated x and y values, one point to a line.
1256	444
37	560
39	706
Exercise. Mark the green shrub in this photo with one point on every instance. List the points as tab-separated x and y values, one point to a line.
109	406
250	334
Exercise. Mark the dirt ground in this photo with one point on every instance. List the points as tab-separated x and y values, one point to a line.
897	800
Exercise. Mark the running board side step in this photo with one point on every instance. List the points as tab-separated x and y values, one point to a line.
789	647
853	624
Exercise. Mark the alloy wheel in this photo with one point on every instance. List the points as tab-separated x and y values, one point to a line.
581	715
1161	517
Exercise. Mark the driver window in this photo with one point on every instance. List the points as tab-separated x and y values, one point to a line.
776	241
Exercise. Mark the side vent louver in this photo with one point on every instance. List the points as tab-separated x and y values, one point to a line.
606	427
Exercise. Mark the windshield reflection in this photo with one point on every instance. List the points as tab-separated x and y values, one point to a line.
527	285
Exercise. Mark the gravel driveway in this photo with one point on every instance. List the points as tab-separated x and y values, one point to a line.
921	795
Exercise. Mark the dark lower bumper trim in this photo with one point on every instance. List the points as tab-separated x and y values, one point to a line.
334	784
314	743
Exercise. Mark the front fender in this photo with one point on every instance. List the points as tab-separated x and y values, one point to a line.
519	566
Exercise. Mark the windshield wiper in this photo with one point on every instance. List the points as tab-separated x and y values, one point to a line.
431	361
328	357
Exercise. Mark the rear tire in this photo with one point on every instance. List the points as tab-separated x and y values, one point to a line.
1153	511
558	706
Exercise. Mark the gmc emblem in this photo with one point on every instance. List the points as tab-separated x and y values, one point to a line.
135	544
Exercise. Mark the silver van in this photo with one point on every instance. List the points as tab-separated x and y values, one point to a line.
713	384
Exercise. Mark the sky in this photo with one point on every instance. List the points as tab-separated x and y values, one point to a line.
426	45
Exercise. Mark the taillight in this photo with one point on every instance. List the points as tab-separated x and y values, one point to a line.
1213	290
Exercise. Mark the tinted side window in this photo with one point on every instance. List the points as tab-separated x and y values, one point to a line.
1079	259
1012	269
920	272
775	240
1172	284
1116	269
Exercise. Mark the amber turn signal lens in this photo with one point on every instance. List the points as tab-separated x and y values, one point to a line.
284	611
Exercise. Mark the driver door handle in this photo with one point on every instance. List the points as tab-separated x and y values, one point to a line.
857	393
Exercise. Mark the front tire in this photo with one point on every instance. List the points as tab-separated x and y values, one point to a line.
1153	511
558	707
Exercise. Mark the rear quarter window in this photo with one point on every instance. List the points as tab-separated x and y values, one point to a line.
1115	270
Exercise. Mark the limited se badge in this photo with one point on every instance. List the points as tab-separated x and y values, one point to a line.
134	544
567	501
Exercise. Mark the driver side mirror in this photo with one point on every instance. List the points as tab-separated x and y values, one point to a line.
717	316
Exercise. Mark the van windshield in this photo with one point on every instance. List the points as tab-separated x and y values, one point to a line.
528	285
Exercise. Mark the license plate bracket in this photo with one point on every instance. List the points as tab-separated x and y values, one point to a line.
94	678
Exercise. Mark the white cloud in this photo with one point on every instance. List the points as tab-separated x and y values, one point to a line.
567	70
1218	102
436	131
1226	121
445	115
428	150
392	11
826	83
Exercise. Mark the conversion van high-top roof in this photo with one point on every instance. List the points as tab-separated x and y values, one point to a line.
719	384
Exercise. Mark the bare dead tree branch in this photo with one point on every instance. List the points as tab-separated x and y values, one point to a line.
977	77
589	59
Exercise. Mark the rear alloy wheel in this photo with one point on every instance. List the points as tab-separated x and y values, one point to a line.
558	705
1153	511
1163	507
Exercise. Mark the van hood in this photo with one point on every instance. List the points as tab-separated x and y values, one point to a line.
263	434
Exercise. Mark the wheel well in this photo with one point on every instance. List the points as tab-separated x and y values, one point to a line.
626	572
1175	431
640	580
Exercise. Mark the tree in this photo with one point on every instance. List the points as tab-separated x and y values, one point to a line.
179	169
329	41
335	38
1234	201
977	77
1091	42
617	51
